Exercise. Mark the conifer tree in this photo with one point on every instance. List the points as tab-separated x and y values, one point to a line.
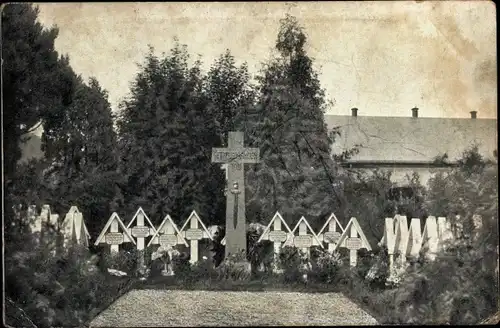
296	173
166	136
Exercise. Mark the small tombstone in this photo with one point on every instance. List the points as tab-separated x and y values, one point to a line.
430	238
74	228
354	239
276	236
305	240
110	234
330	232
414	239
140	231
194	234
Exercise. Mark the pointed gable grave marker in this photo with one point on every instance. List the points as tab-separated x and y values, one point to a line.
276	236
305	240
401	242
235	156
330	232
74	228
354	239
194	234
168	234
110	234
414	239
430	238
141	232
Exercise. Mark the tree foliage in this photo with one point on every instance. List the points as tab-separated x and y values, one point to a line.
166	135
34	78
296	172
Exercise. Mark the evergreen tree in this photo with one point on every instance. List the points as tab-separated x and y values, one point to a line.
230	94
296	173
166	136
34	79
80	150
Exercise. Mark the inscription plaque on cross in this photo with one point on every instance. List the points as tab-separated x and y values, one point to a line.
235	156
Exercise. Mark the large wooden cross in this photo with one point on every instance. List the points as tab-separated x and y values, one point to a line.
235	155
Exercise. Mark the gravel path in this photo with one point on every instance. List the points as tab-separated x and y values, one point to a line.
167	308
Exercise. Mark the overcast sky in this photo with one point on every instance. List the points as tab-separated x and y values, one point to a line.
382	57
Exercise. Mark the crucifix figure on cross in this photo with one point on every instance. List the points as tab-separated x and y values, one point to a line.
233	157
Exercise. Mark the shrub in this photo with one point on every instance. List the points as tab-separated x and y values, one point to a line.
294	264
325	266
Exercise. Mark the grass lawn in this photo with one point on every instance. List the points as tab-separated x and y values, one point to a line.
164	308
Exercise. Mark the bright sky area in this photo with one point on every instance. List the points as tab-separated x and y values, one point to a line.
381	57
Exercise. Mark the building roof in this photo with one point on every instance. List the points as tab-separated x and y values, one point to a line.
411	139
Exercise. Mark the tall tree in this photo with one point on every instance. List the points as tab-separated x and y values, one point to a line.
230	94
166	135
34	79
34	82
80	144
296	173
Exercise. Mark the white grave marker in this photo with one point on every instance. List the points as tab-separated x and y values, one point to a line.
167	234
194	234
414	239
305	240
401	242
330	232
276	236
354	239
110	234
74	228
141	232
430	238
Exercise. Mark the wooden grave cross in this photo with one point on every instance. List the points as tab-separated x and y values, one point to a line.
305	240
194	234
276	236
140	231
235	156
354	239
114	238
330	232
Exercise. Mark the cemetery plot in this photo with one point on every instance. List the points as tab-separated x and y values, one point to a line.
330	232
194	234
354	239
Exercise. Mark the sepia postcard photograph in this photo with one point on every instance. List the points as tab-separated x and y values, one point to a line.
192	164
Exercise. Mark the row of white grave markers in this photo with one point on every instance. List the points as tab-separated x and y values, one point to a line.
332	233
409	242
72	228
116	233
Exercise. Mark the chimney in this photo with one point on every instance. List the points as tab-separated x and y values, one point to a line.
473	114
354	111
414	112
